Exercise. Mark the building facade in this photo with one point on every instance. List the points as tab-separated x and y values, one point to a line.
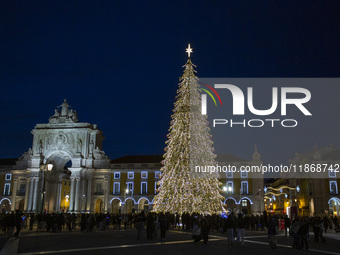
67	170
312	193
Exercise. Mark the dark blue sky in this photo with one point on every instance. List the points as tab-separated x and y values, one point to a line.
118	62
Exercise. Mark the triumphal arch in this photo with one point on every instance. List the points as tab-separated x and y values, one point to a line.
73	150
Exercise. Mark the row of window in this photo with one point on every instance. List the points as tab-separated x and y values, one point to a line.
131	175
244	174
230	187
130	188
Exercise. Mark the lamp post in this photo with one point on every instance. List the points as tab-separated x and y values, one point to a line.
47	167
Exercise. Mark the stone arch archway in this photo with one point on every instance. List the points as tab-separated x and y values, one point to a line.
63	139
230	203
129	205
99	206
334	206
143	204
116	204
5	205
21	205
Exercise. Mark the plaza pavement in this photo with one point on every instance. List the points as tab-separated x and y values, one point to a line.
178	242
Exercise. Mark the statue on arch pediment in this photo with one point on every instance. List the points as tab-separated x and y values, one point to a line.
64	108
99	154
27	155
55	117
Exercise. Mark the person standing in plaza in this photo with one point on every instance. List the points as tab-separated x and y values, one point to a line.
18	215
205	228
287	225
293	233
272	232
140	222
230	225
163	224
240	228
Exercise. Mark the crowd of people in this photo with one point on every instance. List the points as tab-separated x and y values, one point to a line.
233	225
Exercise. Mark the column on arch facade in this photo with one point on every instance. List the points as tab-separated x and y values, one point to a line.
77	193
28	186
71	207
14	194
35	194
59	187
106	193
30	195
89	191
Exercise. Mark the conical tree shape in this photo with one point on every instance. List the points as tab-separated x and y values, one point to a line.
189	145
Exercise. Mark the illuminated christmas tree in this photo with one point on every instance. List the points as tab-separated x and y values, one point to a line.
181	188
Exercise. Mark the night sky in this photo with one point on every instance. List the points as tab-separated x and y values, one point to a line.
118	63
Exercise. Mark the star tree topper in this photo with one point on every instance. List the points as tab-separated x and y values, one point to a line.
189	50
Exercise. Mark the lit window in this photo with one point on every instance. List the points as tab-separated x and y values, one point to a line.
333	187
116	188
8	177
229	174
144	175
158	175
244	187
244	202
144	188
130	175
117	175
129	187
244	174
331	173
230	188
7	189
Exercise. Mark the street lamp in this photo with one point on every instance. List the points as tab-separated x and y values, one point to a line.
47	167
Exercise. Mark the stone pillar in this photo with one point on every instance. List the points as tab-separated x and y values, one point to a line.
14	194
58	196
30	196
71	208
106	193
83	194
27	194
35	194
76	204
89	197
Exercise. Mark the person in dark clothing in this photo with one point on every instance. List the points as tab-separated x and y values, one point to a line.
230	225
196	231
240	228
272	232
303	232
294	233
140	221
18	215
205	228
31	221
287	225
149	225
316	229
163	225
